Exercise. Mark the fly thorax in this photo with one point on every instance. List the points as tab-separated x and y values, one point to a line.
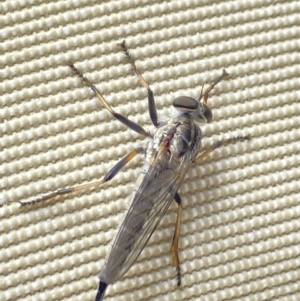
182	140
174	140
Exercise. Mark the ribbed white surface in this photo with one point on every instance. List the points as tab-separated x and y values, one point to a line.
241	221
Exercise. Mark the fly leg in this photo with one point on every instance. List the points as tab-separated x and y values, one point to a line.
151	103
176	237
177	199
211	86
88	185
130	124
218	144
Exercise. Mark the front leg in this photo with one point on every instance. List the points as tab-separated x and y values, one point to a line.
151	102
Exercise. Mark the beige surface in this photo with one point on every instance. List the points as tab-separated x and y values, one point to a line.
240	231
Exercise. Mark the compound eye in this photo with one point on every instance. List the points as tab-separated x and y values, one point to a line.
185	104
207	113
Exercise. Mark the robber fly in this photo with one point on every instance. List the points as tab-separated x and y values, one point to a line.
170	150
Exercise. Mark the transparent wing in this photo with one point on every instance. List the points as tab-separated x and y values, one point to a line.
150	203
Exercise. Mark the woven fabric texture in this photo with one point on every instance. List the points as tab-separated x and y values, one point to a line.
239	237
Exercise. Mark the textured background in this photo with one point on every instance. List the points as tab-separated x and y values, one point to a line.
240	230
